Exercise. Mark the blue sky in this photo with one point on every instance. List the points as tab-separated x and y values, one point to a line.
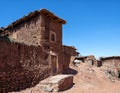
93	26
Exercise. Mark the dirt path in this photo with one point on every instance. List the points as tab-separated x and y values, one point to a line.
86	80
92	80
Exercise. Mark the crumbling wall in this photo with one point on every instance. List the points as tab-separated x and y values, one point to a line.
89	60
112	65
21	66
66	62
69	54
99	63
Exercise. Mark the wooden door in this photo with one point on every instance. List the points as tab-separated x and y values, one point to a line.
54	64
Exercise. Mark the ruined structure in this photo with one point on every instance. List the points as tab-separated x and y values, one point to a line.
112	65
31	49
109	65
69	54
90	60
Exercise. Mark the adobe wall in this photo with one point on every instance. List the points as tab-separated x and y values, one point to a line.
27	32
89	60
36	31
56	46
66	63
31	32
21	66
112	65
69	54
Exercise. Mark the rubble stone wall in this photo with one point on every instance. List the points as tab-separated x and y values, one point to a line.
69	54
21	66
66	62
112	65
28	32
36	31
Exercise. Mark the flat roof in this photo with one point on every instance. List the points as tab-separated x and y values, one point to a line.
32	14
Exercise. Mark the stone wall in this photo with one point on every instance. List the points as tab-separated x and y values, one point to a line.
21	66
28	32
33	57
112	64
36	31
69	54
56	46
89	60
66	63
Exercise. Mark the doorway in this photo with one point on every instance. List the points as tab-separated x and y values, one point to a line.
119	74
54	64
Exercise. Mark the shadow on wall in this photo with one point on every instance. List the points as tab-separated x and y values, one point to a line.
70	71
5	38
118	74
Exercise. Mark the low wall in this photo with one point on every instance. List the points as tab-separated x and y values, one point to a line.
66	62
21	66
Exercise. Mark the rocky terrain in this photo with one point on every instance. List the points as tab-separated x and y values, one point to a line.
86	80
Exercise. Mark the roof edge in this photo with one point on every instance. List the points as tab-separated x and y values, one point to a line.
104	58
32	14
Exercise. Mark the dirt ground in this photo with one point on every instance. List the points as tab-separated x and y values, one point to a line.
87	80
92	80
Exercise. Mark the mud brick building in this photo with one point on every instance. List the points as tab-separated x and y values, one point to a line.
112	65
69	53
31	49
90	60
